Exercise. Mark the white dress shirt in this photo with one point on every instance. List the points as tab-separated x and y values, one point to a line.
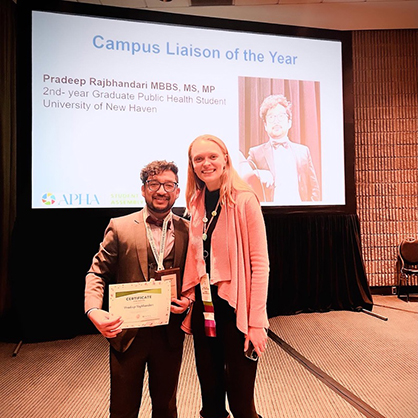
286	177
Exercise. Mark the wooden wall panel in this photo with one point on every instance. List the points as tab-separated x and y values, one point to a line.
385	73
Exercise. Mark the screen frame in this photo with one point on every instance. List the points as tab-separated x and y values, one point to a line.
24	95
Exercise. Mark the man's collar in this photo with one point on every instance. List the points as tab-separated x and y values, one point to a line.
285	142
284	139
152	219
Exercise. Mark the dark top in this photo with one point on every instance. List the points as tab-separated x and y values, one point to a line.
211	200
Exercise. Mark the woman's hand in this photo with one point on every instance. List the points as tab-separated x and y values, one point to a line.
181	305
258	336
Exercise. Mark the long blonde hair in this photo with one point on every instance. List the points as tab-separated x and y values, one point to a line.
230	179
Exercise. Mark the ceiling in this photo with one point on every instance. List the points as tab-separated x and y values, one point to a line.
327	14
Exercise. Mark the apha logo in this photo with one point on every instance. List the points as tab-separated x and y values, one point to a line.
71	199
48	199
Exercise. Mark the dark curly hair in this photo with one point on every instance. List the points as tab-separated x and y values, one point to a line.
157	167
272	101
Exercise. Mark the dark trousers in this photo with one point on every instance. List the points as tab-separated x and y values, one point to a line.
221	364
127	369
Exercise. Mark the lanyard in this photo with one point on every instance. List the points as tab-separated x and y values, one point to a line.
159	256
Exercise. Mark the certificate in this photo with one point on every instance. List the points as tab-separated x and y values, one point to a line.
141	304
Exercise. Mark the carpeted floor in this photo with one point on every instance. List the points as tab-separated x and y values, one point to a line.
334	364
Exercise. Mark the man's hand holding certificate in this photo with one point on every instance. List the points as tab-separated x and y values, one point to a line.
141	304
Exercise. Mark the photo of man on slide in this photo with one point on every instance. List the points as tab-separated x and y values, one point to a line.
281	170
281	147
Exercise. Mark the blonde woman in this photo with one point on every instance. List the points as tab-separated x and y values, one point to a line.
226	276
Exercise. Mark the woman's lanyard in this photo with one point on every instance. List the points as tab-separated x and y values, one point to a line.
208	308
159	256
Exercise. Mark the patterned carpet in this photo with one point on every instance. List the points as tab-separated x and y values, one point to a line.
335	364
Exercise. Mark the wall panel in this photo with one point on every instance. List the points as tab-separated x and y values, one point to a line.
385	73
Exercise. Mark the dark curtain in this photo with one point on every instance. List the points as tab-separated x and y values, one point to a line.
7	145
316	264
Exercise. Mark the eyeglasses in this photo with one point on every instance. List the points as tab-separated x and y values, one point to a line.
154	185
280	117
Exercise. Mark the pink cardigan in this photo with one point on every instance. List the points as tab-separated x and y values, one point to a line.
239	259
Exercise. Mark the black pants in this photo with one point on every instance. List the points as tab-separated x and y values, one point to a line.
127	369
221	364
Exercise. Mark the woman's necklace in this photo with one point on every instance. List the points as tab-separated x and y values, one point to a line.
206	225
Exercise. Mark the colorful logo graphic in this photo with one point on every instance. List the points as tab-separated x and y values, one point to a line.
48	199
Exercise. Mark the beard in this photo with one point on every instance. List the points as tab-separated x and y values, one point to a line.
159	207
277	132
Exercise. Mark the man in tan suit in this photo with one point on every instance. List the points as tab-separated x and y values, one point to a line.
125	255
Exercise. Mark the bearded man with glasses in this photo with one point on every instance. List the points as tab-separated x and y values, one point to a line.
137	248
